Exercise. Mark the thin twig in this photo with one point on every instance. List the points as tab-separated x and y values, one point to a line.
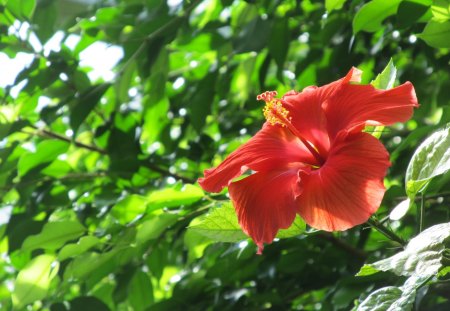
343	245
374	223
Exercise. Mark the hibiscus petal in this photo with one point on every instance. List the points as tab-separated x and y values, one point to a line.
356	106
306	111
349	188
265	203
272	147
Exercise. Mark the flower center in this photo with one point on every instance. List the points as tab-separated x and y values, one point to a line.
275	113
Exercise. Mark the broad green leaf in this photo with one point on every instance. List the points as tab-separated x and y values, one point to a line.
85	104
381	299
71	250
222	225
432	158
441	10
152	228
372	14
172	197
46	152
140	291
129	208
393	298
436	34
421	257
33	281
332	5
54	235
384	81
22	8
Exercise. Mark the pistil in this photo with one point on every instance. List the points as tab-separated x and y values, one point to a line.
275	113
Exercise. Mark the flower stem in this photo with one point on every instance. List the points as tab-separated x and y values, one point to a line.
374	223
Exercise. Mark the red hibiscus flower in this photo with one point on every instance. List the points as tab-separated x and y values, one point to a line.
311	158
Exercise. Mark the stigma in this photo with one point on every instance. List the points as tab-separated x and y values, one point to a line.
274	112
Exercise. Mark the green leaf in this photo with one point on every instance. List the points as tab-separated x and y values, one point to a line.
297	228
436	34
46	152
74	249
151	229
431	159
332	5
140	291
421	257
441	10
372	14
173	197
33	281
220	225
85	104
54	235
21	8
129	208
385	80
279	41
393	298
413	11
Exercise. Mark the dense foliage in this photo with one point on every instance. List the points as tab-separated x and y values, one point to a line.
98	172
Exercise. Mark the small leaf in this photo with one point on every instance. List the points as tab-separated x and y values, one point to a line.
385	80
332	5
54	235
422	256
140	291
436	34
33	281
372	14
129	208
71	250
46	152
431	159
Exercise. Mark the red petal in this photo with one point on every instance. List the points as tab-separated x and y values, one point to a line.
265	203
349	187
272	147
356	106
306	111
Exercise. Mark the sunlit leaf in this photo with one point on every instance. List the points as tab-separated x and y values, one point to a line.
33	281
421	257
372	14
431	159
54	235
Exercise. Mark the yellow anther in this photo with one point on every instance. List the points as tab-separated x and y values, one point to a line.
274	112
